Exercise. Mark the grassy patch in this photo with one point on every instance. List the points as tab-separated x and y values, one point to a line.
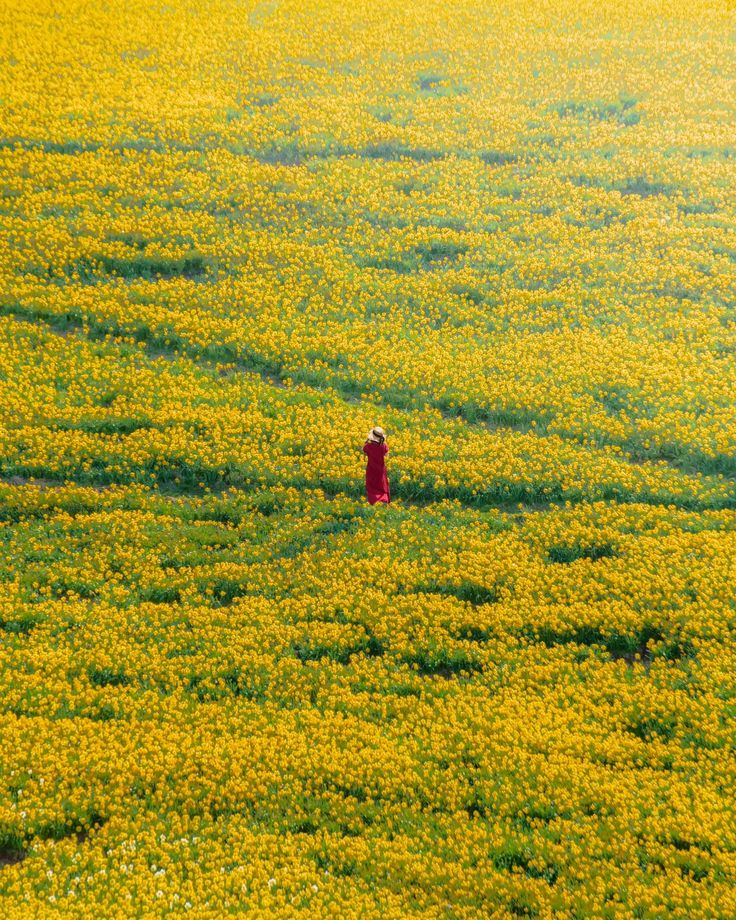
469	591
21	625
225	591
193	265
433	83
498	157
623	110
470	293
108	426
108	677
645	645
642	187
161	594
513	856
308	650
440	251
649	727
235	682
564	555
397	151
441	662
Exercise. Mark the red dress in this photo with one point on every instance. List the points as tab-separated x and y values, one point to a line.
376	480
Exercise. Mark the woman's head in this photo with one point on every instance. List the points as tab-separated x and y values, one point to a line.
377	434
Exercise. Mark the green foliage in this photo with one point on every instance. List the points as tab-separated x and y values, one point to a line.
567	554
108	677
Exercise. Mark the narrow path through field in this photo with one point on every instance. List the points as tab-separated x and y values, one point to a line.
513	509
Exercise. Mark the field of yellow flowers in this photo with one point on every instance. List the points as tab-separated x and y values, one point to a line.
235	234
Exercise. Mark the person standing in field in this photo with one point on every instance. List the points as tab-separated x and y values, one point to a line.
376	478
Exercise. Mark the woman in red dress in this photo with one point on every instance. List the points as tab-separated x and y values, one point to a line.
376	480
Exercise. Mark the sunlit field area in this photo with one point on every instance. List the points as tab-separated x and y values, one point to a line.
234	235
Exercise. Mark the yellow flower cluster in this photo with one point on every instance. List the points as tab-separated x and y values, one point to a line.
234	235
300	706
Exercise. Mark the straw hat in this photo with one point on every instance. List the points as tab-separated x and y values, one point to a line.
377	435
